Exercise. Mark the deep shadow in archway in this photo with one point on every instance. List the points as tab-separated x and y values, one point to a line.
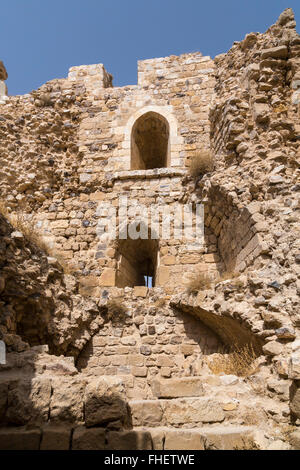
137	262
150	142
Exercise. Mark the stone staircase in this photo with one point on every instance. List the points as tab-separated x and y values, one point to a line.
72	411
187	414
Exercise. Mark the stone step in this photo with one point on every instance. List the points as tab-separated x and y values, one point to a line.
178	387
146	438
176	412
206	438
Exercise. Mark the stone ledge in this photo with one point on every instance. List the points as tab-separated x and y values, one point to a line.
147	174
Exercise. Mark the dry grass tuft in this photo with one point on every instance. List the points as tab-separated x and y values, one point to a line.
116	311
199	281
241	361
3	209
233	277
201	163
228	275
23	225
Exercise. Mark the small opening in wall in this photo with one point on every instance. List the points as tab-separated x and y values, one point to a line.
150	145
148	281
136	263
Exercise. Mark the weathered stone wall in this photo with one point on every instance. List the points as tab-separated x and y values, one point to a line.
39	303
152	341
74	224
66	149
74	137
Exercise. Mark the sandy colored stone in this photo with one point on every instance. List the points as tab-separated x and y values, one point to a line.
140	291
55	438
229	438
180	439
68	151
175	388
295	398
19	439
146	413
129	440
273	348
88	439
105	401
67	400
295	440
107	278
193	410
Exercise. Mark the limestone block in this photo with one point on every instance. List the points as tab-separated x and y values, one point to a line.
286	16
97	196
295	398
139	371
228	379
229	438
90	281
273	348
28	401
180	439
88	439
158	438
59	224
19	439
296	97
286	332
211	258
136	360
280	52
129	440
140	291
188	349
55	438
105	401
3	89
295	439
279	445
67	400
146	413
168	260
193	410
178	387
163	275
108	278
260	112
165	361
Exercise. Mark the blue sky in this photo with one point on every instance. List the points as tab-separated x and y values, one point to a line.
41	39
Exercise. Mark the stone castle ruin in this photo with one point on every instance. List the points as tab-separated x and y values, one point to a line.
154	342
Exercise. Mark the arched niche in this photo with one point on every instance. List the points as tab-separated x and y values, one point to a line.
150	142
163	116
137	258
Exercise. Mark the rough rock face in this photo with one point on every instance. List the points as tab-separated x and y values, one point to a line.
39	303
135	366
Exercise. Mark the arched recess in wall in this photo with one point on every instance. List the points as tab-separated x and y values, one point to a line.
150	142
151	134
238	244
137	259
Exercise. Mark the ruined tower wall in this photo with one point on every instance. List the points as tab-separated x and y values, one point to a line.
77	154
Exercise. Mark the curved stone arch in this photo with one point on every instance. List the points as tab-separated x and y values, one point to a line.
240	239
174	139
